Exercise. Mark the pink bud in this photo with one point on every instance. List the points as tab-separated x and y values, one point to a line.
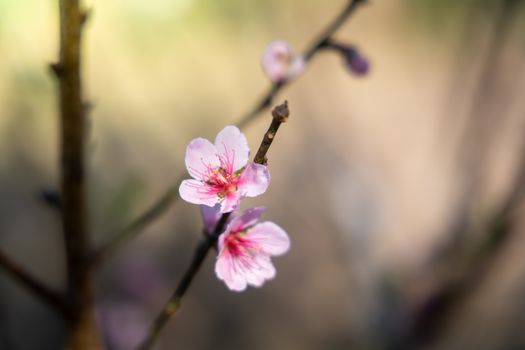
279	62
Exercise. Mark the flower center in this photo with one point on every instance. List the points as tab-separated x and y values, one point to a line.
223	181
237	245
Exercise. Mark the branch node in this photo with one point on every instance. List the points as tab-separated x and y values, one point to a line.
57	69
85	15
51	197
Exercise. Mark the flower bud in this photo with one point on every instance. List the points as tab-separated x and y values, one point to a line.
280	63
354	61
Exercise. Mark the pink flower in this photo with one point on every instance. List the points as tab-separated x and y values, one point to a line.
221	171
279	63
245	249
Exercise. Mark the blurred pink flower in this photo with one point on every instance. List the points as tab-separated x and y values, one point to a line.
245	249
279	63
221	171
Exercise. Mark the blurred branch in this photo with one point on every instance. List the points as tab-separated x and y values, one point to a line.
171	195
319	44
467	268
82	332
280	115
140	223
50	297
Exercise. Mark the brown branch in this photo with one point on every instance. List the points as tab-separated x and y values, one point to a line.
161	205
280	115
83	333
52	298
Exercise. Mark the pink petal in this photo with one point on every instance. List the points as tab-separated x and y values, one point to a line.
239	271
254	180
248	218
201	155
210	216
230	202
233	146
196	192
271	238
225	271
261	270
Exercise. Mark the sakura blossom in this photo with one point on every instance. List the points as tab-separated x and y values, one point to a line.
279	62
245	249
222	173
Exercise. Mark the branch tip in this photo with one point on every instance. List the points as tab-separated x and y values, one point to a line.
281	113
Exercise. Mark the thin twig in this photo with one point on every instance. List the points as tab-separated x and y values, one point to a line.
140	223
82	332
50	297
280	115
171	195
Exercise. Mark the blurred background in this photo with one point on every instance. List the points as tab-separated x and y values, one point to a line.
401	189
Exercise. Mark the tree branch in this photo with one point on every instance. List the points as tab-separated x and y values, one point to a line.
163	203
50	297
83	333
280	115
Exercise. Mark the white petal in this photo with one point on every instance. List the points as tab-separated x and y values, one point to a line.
248	218
233	147
230	202
201	155
254	180
196	192
262	271
225	270
271	238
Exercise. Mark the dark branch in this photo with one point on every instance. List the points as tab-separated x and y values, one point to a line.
82	331
50	297
161	205
280	115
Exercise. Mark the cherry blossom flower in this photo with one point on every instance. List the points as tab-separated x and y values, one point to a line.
245	249
221	172
279	63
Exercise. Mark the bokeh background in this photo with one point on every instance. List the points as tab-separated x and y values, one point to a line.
400	189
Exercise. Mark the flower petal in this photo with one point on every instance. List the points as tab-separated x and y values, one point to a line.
201	155
254	180
261	271
225	271
248	218
230	202
210	216
233	146
272	239
196	192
